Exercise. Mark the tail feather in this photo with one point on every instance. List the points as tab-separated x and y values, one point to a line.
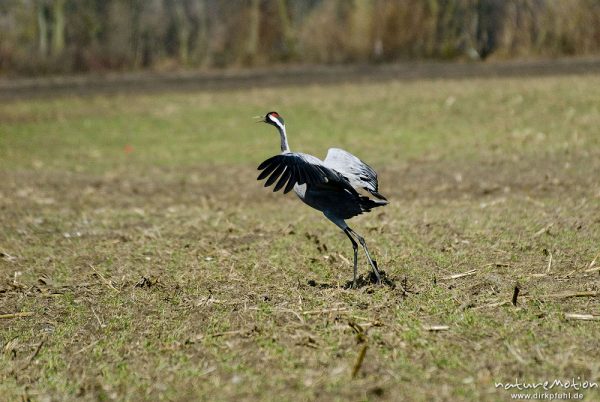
366	204
376	194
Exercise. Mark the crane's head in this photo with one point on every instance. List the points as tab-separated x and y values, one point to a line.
274	119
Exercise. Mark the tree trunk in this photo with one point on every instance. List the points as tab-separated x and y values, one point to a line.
42	23
136	40
286	29
253	34
58	31
183	33
202	47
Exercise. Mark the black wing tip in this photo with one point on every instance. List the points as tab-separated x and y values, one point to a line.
290	185
266	162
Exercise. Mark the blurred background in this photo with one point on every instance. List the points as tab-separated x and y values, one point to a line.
40	37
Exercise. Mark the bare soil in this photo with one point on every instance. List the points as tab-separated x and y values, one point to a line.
191	81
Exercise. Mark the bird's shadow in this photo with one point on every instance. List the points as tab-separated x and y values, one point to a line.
363	281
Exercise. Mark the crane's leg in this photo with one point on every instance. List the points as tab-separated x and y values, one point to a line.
363	243
355	247
349	232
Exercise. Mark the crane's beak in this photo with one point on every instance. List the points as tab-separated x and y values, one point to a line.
260	119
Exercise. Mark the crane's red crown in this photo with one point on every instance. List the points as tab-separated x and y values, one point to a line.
271	117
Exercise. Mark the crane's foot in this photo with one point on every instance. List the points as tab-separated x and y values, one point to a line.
368	280
357	284
375	279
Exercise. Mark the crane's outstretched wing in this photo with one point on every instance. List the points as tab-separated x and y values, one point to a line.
359	174
294	167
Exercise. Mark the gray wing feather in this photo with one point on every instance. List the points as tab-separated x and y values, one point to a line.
358	173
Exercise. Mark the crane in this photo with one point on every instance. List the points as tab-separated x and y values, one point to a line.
334	186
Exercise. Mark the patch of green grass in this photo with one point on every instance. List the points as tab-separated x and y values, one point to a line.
165	271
